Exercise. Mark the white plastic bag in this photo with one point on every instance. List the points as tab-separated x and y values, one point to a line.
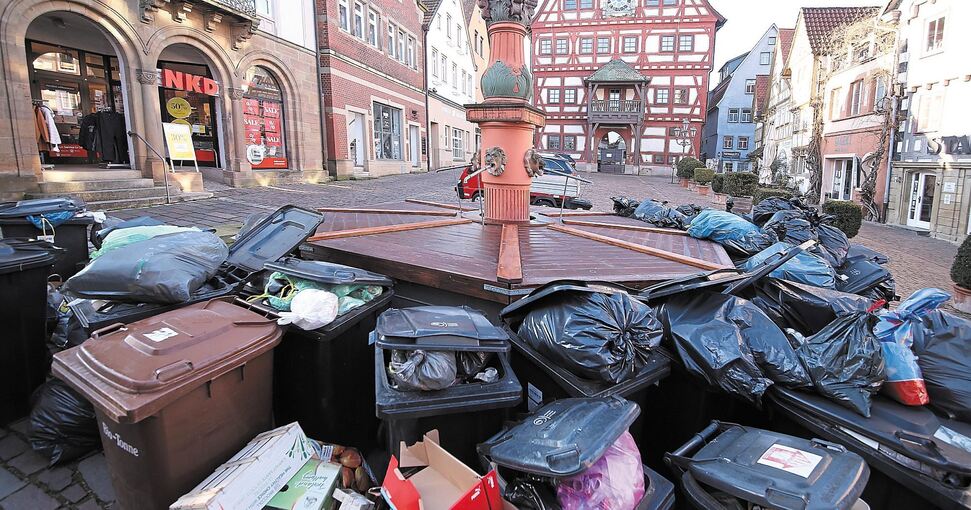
310	309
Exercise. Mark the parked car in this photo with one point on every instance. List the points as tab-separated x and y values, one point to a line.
547	190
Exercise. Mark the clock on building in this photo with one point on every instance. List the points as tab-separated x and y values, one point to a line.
618	7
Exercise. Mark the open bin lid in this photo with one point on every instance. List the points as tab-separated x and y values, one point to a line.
327	272
131	372
277	235
439	328
22	254
25	208
562	438
515	311
780	471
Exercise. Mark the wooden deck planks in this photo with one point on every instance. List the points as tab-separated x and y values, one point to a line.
510	261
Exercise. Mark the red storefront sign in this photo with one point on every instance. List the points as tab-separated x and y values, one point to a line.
271	110
254	137
272	125
251	106
252	122
69	150
189	82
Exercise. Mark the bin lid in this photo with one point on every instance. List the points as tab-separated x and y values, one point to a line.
780	471
562	438
524	305
327	272
133	371
277	235
26	208
859	275
439	328
22	254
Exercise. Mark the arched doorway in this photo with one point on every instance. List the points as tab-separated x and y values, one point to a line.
264	119
189	94
612	153
77	85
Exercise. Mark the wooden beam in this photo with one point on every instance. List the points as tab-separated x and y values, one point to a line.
510	262
443	206
637	228
385	211
647	250
565	214
387	229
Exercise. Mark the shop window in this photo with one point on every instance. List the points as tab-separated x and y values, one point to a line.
196	109
263	120
58	61
387	132
729	166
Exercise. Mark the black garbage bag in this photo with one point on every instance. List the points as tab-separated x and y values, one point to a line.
598	336
63	425
422	370
943	348
690	211
845	361
68	332
858	251
731	344
804	308
471	363
660	215
763	211
165	269
624	206
792	227
833	245
531	493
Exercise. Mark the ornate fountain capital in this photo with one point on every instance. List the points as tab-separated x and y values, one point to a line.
517	11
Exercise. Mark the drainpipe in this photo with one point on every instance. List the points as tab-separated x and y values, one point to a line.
320	92
428	128
895	111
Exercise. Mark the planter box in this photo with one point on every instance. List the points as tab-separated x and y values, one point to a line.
704	190
962	298
719	198
692	185
743	205
683	183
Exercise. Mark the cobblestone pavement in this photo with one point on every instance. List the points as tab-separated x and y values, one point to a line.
25	483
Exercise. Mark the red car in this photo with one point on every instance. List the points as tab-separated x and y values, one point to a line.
547	190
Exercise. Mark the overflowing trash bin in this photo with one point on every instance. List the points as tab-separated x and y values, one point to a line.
444	368
576	453
731	466
53	219
24	268
175	395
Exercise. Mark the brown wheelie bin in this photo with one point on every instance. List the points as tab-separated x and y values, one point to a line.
176	395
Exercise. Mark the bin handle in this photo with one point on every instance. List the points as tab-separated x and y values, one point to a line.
697	440
107	330
906	439
173	371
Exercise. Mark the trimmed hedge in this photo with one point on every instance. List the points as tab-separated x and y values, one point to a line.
961	269
704	175
847	215
718	183
763	193
741	184
686	167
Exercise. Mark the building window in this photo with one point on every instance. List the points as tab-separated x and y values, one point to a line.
570	4
686	43
586	4
458	147
455	76
834	100
465	88
387	132
475	41
630	44
658	158
468	80
652	3
444	69
586	45
263	117
545	46
880	90
680	96
570	96
411	53
670	2
603	45
553	142
263	8
359	20
733	115
661	96
856	97
562	46
743	143
862	52
728	142
935	35
729	166
372	28
570	142
448	26
553	96
746	116
667	43
434	62
750	86
765	58
391	45
401	45
342	17
772	41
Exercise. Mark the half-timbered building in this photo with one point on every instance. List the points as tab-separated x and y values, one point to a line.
617	79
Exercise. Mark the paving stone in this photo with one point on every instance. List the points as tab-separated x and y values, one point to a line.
94	470
21	426
11	446
56	479
74	493
9	483
28	462
31	497
89	504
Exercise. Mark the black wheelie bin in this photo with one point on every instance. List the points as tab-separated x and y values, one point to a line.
71	235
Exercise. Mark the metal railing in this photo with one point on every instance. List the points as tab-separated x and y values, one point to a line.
616	106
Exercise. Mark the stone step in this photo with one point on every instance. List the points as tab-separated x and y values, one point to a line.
104	195
97	174
82	186
138	203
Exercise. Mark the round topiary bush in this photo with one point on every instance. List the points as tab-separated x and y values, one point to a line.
718	183
763	193
704	175
961	269
741	184
847	216
686	167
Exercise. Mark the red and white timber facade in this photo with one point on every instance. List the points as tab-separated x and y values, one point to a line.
669	42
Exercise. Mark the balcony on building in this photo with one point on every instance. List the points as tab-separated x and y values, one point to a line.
616	94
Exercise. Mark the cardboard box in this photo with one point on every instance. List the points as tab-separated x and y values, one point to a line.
445	483
254	475
312	488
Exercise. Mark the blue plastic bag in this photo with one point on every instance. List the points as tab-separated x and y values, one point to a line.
731	231
804	268
51	219
898	325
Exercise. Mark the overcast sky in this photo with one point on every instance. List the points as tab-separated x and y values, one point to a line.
749	19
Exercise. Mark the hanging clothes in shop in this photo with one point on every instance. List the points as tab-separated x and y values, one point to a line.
105	133
48	138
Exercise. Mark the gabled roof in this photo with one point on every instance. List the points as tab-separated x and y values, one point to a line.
733	63
716	95
617	71
821	22
431	7
785	43
469	6
759	102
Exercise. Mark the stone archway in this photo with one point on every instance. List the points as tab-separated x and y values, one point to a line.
294	116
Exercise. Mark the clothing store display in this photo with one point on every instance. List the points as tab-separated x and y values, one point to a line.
105	133
47	136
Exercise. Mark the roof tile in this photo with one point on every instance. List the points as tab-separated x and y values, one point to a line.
821	22
617	71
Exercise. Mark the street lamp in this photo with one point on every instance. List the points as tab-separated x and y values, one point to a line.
684	135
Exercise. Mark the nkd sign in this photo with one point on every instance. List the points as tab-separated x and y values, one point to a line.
953	145
178	80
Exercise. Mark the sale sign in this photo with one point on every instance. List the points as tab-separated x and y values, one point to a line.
271	109
272	125
251	106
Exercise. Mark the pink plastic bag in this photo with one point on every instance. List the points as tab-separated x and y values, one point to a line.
615	482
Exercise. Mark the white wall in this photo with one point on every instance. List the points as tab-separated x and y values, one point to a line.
456	50
291	20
